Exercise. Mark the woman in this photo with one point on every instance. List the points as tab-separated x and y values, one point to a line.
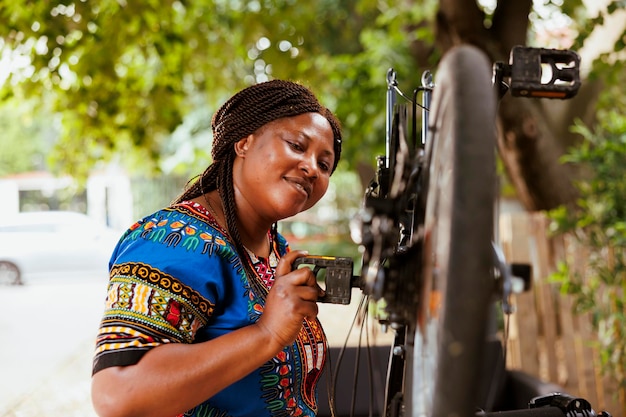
204	315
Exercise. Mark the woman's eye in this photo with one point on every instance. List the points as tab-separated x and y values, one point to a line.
295	146
324	166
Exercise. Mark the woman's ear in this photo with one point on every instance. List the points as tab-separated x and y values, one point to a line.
242	146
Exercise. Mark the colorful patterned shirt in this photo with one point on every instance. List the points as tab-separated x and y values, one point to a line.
176	278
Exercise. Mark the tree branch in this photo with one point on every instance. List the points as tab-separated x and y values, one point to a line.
531	157
460	21
510	25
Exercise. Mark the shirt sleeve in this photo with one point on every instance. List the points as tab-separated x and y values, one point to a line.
145	308
154	297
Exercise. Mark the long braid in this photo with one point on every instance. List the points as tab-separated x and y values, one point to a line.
241	115
227	194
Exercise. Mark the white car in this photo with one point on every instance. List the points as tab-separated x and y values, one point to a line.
45	244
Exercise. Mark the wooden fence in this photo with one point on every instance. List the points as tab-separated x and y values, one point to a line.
546	339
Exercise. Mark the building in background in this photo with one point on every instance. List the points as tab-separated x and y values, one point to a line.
106	196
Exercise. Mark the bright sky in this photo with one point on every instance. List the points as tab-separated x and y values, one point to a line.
10	61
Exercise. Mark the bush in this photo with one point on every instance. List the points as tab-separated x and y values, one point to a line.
598	221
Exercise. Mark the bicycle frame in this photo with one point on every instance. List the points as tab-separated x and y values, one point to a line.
395	203
526	72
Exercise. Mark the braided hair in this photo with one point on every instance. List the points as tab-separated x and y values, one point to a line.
241	115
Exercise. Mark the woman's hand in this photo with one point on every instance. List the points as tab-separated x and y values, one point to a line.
293	298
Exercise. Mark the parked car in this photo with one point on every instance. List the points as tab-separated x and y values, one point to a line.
45	244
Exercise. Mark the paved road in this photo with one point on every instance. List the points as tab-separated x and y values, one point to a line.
48	331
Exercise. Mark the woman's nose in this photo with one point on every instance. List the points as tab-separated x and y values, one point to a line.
309	166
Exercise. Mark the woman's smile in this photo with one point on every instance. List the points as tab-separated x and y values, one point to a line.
301	184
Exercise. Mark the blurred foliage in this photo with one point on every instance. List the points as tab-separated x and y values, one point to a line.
598	221
25	139
125	75
137	82
599	224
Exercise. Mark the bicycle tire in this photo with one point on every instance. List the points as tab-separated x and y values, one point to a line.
443	365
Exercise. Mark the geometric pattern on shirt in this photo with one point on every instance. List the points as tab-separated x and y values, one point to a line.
289	389
260	284
146	307
311	344
173	231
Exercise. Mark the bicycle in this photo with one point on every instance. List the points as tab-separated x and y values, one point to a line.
428	233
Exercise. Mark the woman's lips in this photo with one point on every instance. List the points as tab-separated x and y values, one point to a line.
301	184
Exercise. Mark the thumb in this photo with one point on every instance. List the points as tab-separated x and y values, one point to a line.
285	265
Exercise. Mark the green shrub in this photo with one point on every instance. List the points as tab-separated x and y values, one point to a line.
598	222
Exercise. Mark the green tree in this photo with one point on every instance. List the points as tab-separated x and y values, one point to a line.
25	138
125	75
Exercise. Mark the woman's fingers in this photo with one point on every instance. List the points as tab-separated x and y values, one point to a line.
293	298
285	265
303	276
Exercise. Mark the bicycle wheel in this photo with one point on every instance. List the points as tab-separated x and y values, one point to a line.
443	365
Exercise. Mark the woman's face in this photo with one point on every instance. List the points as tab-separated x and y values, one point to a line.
284	167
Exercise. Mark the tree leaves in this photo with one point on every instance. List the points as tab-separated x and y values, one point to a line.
124	75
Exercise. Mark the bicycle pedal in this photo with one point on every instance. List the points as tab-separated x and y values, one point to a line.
544	73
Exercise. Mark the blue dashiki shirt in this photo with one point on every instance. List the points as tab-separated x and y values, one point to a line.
176	278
